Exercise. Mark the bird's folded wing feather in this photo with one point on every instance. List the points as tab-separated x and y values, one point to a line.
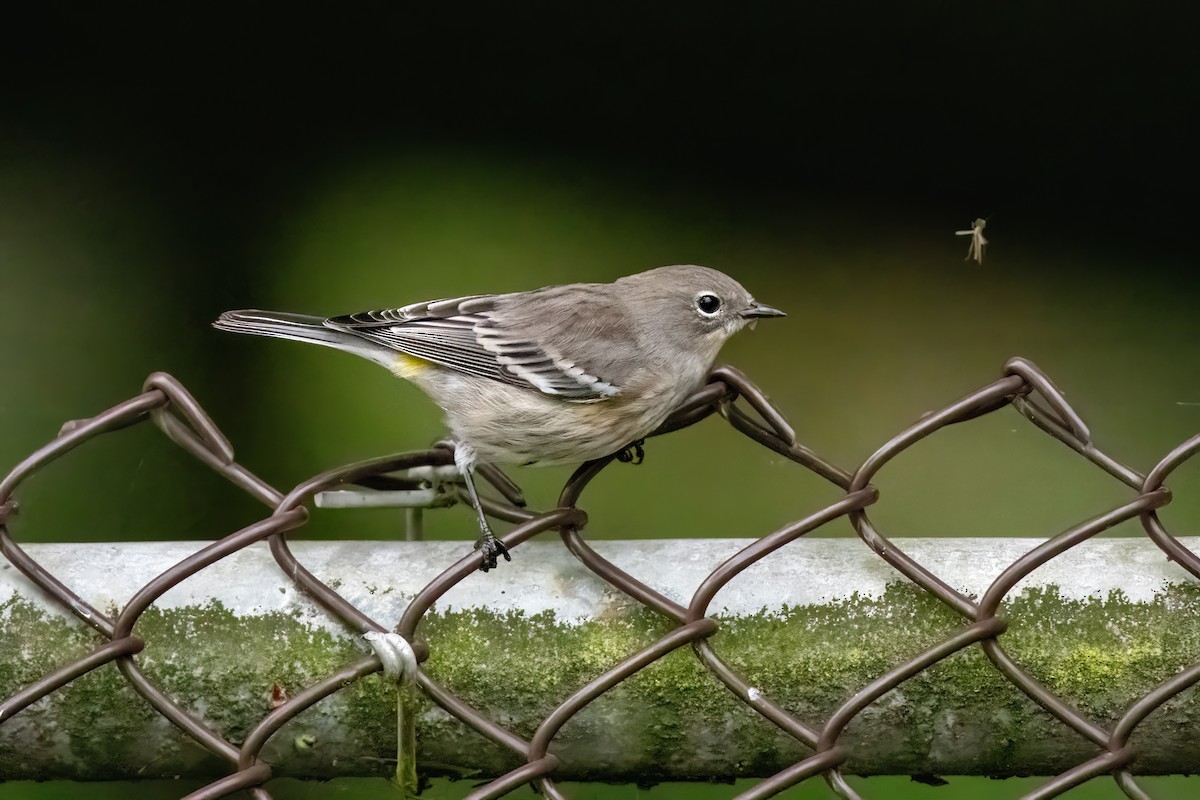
521	339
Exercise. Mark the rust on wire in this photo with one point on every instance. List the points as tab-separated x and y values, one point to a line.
729	393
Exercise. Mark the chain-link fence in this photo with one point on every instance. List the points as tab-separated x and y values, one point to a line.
165	402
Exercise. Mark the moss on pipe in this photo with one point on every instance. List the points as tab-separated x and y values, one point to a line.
673	720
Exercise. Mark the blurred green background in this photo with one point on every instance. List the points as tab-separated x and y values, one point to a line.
160	167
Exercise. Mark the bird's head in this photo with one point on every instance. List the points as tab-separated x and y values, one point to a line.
696	302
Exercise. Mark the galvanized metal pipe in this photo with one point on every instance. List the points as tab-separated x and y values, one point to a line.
810	625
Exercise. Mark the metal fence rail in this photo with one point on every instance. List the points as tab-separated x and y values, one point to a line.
809	625
1023	386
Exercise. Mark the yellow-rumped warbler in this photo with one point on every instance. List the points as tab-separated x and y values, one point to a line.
560	375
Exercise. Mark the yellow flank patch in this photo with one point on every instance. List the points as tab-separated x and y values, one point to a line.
406	366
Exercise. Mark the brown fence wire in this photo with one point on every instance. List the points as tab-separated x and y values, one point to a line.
1024	386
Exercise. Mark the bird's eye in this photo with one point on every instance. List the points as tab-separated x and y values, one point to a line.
708	304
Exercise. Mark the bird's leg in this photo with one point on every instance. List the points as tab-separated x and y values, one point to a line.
633	454
487	543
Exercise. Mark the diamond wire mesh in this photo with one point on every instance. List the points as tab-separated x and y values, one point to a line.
1023	385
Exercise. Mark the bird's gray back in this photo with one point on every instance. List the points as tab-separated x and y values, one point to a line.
537	340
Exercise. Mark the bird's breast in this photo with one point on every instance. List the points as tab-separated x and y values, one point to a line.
509	425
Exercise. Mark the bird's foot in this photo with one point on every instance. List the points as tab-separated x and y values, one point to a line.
491	548
633	454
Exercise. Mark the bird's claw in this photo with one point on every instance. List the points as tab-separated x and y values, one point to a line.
633	454
491	547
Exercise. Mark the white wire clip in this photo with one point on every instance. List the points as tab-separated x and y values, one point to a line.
399	660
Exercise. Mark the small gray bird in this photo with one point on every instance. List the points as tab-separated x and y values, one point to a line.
560	375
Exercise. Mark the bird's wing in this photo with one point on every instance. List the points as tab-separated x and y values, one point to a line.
515	339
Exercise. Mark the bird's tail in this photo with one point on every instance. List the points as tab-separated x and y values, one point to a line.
302	328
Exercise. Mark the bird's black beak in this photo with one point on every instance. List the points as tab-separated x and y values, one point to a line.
759	310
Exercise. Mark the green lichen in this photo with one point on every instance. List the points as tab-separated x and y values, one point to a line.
238	659
671	720
1098	653
36	643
